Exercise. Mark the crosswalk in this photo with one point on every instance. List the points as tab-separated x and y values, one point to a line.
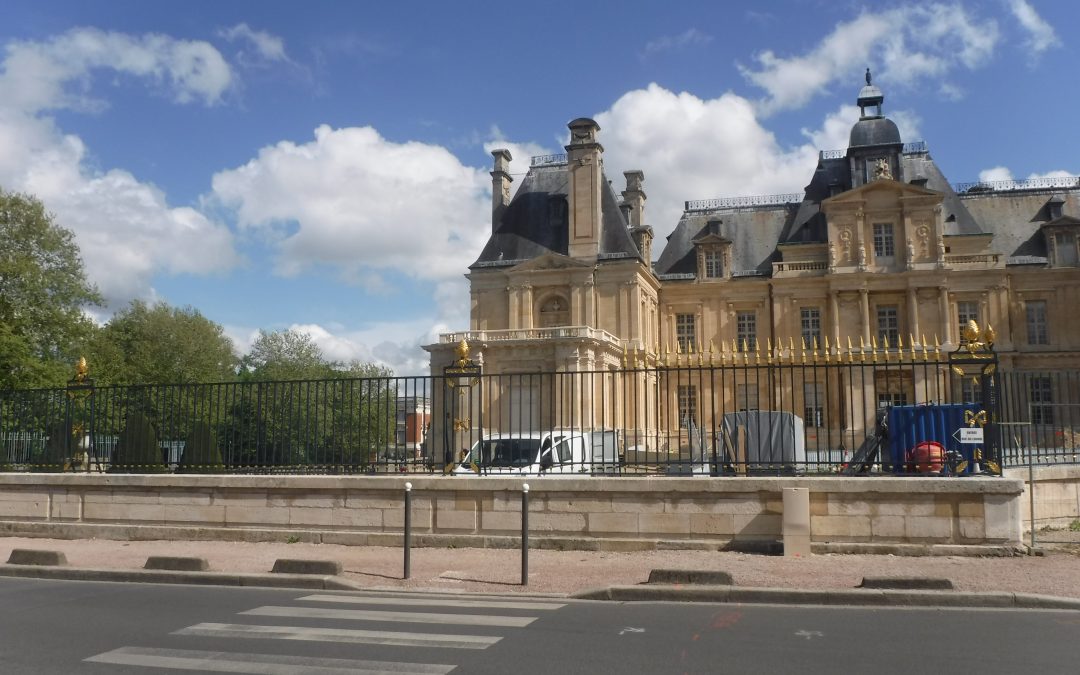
353	619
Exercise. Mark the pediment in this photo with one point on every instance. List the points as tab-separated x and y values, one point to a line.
861	193
1062	221
550	261
707	239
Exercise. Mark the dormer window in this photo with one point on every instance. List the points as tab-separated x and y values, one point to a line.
714	264
1065	253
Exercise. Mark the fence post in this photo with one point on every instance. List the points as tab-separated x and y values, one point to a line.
408	528
525	534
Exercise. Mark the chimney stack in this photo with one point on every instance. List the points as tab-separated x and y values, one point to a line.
634	197
585	166
500	186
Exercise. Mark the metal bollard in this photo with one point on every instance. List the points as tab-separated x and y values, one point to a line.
408	529
525	534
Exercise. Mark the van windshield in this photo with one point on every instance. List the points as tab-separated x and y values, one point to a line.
513	452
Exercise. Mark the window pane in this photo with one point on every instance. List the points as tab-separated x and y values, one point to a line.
888	319
685	331
746	325
687	405
883	240
1037	330
713	265
810	318
966	311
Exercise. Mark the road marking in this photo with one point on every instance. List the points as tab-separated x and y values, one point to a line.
259	664
400	617
346	635
433	602
809	634
630	629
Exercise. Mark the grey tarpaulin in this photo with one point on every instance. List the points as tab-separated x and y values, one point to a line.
773	437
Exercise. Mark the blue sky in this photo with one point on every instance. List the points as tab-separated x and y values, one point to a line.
324	165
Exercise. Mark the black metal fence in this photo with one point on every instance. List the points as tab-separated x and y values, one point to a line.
743	413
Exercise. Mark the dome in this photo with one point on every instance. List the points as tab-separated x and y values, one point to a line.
874	131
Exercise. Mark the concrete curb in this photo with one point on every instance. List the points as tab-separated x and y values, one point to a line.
268	580
833	597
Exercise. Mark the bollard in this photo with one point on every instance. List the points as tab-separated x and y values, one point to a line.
408	528
525	534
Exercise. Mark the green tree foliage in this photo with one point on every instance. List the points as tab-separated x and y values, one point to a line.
137	449
159	344
308	410
43	289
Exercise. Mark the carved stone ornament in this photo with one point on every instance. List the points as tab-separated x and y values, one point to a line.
882	169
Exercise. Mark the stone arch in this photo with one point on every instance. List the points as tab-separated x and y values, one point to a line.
552	309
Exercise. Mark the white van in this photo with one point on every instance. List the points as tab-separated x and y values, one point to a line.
538	453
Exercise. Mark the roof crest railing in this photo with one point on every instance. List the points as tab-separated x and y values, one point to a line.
1024	184
739	202
548	160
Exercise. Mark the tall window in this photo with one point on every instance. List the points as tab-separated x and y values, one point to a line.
714	264
1037	331
883	240
1042	398
687	405
970	391
813	404
685	331
746	397
966	311
888	324
1065	249
810	318
746	330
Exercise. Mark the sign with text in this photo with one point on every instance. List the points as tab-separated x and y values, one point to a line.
971	435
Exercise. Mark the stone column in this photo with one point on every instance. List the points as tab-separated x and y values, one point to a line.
527	309
913	312
834	312
864	306
943	310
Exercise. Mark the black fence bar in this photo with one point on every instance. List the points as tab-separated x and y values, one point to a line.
789	412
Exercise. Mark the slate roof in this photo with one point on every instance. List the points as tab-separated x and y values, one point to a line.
753	232
537	221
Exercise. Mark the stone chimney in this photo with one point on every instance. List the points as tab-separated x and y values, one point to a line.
634	207
500	186
634	197
585	166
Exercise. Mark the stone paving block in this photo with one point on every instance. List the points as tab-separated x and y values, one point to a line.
32	556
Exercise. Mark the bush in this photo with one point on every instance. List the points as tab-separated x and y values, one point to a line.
137	449
56	449
201	451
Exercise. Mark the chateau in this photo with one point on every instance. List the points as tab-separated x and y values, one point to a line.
880	252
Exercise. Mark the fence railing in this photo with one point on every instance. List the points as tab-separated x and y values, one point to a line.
743	410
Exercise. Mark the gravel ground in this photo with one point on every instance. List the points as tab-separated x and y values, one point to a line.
499	571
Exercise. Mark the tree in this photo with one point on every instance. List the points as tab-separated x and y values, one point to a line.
43	290
161	344
286	355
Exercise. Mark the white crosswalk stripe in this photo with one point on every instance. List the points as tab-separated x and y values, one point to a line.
348	635
397	617
259	664
433	602
270	664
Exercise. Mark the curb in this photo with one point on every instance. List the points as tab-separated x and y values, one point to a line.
298	581
831	597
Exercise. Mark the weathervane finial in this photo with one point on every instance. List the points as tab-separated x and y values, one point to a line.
868	77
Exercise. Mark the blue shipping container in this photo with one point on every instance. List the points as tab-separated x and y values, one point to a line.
910	425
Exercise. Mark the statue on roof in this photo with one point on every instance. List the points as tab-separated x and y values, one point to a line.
868	77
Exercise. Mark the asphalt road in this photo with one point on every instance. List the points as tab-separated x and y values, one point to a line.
90	627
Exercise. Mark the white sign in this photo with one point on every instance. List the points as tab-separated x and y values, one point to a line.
971	435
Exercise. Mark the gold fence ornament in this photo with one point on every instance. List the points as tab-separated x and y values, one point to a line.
975	418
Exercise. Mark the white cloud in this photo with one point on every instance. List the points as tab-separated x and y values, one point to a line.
911	44
362	204
692	148
125	229
267	47
688	38
36	75
997	173
1041	35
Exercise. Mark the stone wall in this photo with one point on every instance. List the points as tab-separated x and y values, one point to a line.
1057	495
582	513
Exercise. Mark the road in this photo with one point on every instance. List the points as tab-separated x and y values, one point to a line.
88	627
